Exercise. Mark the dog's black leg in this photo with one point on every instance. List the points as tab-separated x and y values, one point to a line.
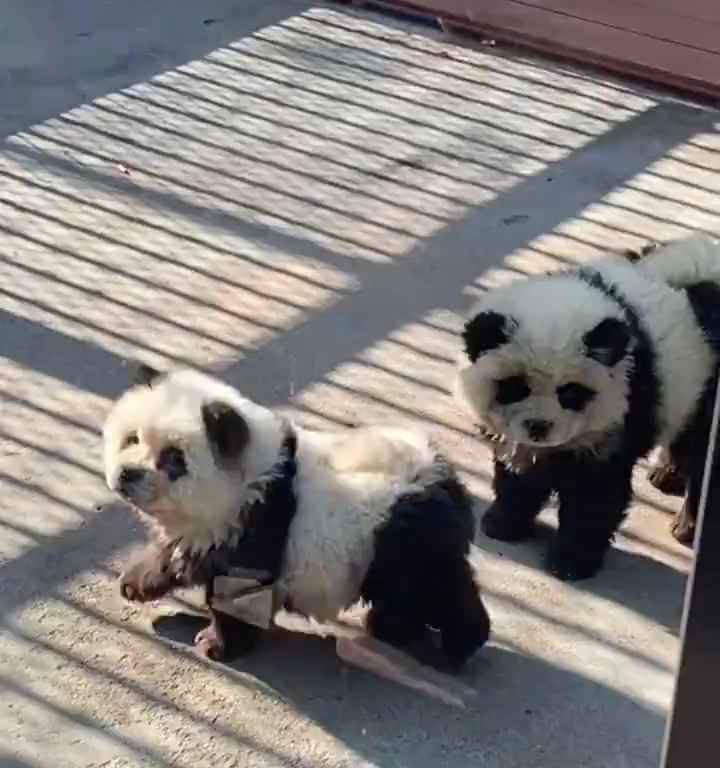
593	503
683	524
519	497
394	624
461	617
420	577
225	635
667	476
210	642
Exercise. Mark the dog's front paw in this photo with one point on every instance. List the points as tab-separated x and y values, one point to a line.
496	524
567	565
667	480
209	642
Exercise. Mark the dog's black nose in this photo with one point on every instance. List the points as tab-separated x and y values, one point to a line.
131	475
537	429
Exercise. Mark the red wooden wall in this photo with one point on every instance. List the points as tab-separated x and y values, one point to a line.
675	42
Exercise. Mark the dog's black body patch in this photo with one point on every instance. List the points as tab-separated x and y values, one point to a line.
420	577
265	523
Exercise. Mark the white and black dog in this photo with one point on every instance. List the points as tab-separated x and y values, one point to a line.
584	372
330	518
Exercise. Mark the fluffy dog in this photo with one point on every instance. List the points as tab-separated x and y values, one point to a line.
325	519
584	372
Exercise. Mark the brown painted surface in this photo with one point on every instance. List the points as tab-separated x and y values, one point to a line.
677	44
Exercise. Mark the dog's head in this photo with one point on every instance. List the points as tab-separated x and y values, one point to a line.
182	447
547	362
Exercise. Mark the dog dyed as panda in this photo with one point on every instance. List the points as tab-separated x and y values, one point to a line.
584	372
331	517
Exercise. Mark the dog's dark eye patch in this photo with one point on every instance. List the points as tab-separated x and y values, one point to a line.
513	389
172	462
130	440
574	396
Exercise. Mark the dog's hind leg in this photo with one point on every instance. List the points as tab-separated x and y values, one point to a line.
460	614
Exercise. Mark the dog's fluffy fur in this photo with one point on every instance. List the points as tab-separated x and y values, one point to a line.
665	474
373	513
583	373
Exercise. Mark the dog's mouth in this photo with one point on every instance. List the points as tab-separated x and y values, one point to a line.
141	498
137	497
544	443
139	487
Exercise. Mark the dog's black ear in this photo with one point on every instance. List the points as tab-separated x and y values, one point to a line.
485	332
142	375
608	342
228	432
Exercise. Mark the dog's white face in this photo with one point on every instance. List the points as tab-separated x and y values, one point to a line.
546	362
175	447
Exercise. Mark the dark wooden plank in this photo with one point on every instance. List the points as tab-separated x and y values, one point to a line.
704	10
618	50
692	733
661	23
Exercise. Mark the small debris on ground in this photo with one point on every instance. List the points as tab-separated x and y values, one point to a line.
515	219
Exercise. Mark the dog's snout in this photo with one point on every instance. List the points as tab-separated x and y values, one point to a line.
130	476
136	484
537	429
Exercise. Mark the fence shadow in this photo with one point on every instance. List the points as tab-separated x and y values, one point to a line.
297	209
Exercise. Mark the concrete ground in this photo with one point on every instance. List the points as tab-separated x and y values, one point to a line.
308	197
